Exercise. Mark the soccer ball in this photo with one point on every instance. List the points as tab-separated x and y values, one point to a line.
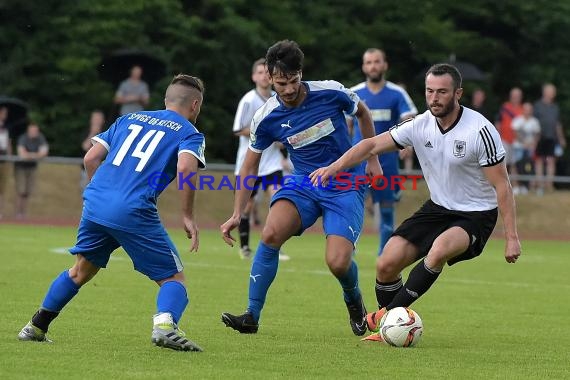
401	327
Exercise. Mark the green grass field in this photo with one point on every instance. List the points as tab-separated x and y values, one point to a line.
484	319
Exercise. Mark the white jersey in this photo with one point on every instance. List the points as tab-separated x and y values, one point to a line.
452	160
271	159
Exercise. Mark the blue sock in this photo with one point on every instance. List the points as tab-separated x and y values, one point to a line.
61	291
172	298
349	283
386	226
263	271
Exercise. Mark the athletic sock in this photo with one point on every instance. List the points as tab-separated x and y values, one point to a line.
349	283
386	226
263	271
385	291
244	232
172	298
43	318
60	292
421	278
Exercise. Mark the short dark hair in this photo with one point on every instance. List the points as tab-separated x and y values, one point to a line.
376	50
189	81
285	57
440	69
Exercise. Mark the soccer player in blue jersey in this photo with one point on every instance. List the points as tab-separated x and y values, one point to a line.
308	119
389	104
128	167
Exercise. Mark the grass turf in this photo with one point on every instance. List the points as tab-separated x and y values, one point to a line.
482	319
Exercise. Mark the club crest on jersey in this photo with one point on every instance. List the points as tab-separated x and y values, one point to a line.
459	148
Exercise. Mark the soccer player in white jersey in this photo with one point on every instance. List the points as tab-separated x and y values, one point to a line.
462	159
307	117
271	165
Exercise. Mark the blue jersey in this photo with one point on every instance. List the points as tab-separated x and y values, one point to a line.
314	133
143	147
390	105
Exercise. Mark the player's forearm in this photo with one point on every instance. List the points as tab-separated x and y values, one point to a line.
244	188
187	196
91	166
187	166
507	209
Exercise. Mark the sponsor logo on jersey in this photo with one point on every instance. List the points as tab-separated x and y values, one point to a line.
381	114
311	134
428	145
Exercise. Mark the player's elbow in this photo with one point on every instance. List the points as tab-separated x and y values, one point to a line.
186	164
91	161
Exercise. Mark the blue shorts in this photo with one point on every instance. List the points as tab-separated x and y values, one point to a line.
342	211
153	253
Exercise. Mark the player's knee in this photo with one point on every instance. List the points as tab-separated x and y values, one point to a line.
438	255
386	269
82	271
270	236
339	263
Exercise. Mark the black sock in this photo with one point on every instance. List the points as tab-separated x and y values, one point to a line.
43	318
244	232
385	291
421	278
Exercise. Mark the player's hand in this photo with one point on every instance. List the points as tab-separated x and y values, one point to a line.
322	176
192	232
227	228
407	152
373	169
512	250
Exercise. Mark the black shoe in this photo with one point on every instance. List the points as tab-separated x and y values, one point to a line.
244	323
357	313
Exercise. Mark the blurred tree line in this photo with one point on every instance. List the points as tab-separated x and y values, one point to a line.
49	50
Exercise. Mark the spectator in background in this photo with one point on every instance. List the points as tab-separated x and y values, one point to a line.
5	150
509	110
96	124
133	92
32	146
527	131
548	114
478	99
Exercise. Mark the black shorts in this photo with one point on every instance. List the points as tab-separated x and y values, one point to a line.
265	182
422	228
545	148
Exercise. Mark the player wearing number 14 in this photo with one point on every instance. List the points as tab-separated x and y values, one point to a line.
119	209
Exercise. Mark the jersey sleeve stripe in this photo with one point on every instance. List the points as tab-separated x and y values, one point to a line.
490	146
495	163
102	142
201	163
400	146
255	150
